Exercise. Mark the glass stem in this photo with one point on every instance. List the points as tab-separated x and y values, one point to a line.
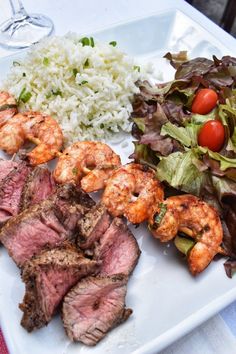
17	7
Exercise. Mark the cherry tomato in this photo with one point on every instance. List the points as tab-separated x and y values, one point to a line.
204	101
212	135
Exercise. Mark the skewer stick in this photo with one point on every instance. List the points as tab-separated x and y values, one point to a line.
222	251
13	157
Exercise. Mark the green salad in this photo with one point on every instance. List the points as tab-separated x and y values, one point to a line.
186	130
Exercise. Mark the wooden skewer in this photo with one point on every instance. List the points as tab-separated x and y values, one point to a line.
222	251
13	157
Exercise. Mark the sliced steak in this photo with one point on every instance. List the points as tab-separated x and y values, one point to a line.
46	224
39	186
94	306
92	226
48	277
10	191
6	166
117	249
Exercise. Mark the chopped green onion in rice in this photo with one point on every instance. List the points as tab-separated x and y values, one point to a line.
86	85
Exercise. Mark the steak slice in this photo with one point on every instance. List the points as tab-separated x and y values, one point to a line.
117	249
92	226
39	186
10	191
46	224
48	277
6	166
94	306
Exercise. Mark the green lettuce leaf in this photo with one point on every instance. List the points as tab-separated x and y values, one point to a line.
140	123
143	154
186	136
225	162
178	133
179	170
227	114
201	119
224	187
233	137
231	98
193	130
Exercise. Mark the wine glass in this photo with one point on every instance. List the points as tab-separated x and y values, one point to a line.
23	29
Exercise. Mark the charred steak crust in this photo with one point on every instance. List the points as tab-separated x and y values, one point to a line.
92	226
94	306
6	166
117	250
77	195
38	187
48	277
47	224
10	191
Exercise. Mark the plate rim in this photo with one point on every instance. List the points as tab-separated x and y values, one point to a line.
171	9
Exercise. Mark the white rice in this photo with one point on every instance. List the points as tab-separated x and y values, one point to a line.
93	103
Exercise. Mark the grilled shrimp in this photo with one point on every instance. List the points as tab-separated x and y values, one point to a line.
36	127
89	163
8	107
132	191
196	219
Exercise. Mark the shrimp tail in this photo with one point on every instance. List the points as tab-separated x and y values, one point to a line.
199	258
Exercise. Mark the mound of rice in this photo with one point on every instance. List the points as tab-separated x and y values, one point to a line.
87	88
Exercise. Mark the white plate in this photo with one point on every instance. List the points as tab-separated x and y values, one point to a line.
167	301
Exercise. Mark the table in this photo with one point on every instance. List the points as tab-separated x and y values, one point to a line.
86	17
